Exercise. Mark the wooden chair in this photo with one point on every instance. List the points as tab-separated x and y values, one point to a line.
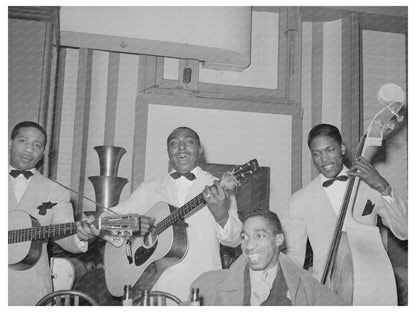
67	298
159	298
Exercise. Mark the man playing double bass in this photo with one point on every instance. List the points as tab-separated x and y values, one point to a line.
313	211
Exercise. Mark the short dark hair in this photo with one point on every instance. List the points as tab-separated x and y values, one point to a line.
184	128
324	130
270	216
28	124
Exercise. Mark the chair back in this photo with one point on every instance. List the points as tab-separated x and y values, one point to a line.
159	298
63	273
67	298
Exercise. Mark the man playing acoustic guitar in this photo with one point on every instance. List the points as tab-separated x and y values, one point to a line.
33	195
209	225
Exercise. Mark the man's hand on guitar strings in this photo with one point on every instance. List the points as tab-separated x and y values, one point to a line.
218	202
146	223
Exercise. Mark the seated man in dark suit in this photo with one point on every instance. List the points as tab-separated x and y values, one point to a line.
262	275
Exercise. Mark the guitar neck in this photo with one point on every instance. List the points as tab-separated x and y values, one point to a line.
229	180
180	213
42	232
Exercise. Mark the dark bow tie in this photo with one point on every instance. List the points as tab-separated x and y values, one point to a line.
329	182
176	175
27	174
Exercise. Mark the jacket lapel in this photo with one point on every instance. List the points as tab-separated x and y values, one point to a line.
12	196
167	190
321	201
33	190
291	276
198	186
232	293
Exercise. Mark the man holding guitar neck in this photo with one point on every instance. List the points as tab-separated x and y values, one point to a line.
314	209
216	222
33	193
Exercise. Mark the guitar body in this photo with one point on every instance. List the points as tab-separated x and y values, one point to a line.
23	255
148	263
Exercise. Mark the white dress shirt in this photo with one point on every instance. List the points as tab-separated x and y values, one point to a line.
20	183
336	191
183	186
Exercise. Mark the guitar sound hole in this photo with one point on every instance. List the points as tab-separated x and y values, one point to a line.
143	254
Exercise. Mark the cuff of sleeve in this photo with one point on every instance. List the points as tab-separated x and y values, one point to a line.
83	246
388	198
227	226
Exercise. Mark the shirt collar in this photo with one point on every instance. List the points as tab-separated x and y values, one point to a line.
268	275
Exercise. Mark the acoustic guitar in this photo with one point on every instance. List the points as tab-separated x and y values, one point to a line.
26	235
140	261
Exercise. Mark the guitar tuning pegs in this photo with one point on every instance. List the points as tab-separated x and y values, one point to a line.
389	127
399	118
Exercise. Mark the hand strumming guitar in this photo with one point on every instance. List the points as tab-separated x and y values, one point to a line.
145	224
218	202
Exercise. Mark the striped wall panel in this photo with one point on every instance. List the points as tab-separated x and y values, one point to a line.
68	114
98	108
323	80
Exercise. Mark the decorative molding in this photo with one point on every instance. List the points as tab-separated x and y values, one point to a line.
48	14
37	13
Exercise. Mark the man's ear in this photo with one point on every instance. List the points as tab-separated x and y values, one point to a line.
343	149
279	239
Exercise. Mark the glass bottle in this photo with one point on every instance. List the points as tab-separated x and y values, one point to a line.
145	297
128	296
195	297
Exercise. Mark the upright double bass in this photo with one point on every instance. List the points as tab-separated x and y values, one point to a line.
373	276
